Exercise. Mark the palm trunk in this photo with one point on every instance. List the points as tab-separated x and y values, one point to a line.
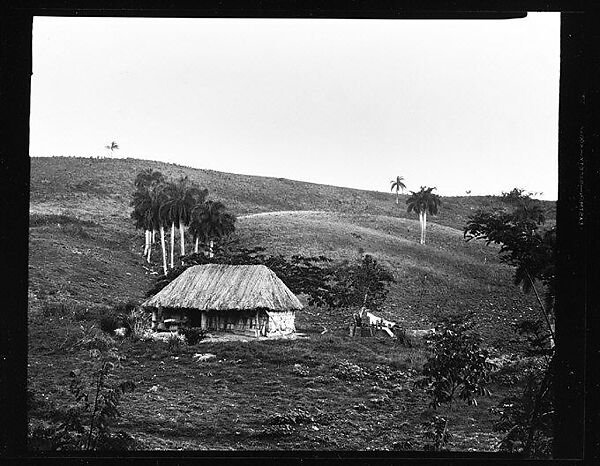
421	224
149	246
153	236
146	243
196	246
164	249
424	226
172	244
396	197
182	237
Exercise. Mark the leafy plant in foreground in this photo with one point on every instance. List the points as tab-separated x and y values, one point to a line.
458	366
436	434
527	420
532	252
87	423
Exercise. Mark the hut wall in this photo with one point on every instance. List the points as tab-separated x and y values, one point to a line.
281	322
245	322
252	323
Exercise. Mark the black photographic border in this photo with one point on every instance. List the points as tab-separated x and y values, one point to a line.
577	435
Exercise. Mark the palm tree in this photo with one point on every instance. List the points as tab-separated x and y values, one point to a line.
210	222
141	203
422	202
112	146
157	219
399	185
145	180
147	214
182	196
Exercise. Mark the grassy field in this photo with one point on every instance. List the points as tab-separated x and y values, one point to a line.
85	257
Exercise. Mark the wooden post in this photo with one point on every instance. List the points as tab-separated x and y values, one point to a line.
154	319
257	325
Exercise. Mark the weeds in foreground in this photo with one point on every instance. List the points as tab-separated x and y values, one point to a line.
436	434
86	424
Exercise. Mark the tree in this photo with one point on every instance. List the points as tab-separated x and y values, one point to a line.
181	197
112	146
361	285
141	203
210	222
144	182
532	251
398	185
422	202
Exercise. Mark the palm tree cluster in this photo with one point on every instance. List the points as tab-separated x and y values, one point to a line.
420	202
160	205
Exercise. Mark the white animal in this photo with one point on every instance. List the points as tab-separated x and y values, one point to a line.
374	320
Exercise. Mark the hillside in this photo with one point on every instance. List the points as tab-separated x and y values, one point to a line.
78	184
85	257
447	274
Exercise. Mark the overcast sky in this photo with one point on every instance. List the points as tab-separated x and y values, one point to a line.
460	105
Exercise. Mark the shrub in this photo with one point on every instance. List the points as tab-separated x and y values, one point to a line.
291	417
458	365
138	322
81	313
193	335
300	370
75	230
51	309
436	434
347	370
174	342
109	323
527	420
87	423
125	307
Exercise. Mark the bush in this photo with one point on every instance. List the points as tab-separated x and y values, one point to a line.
138	322
174	342
347	370
109	323
300	370
81	313
123	315
291	417
50	309
458	365
527	420
87	423
436	434
193	335
75	230
125	307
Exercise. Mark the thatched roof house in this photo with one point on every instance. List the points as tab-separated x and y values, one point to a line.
249	299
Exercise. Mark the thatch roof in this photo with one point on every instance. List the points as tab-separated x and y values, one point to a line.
226	287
